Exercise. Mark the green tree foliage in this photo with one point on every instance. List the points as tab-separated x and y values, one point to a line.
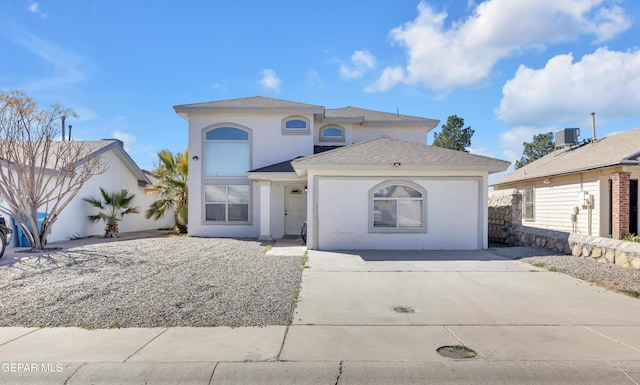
114	206
172	174
541	145
453	136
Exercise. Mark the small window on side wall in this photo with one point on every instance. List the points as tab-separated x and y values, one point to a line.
332	134
295	125
529	204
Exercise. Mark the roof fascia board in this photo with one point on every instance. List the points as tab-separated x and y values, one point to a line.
576	171
273	176
125	158
409	167
346	119
404	123
204	109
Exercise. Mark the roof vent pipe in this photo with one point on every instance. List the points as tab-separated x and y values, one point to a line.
593	126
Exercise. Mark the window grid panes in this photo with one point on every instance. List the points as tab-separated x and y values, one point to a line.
397	206
529	203
227	203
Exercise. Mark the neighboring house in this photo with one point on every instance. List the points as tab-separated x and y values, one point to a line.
588	187
359	179
122	173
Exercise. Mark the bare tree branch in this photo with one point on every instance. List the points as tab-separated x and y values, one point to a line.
38	173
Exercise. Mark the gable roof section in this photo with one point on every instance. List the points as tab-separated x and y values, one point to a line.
613	150
372	117
99	147
356	115
383	152
255	103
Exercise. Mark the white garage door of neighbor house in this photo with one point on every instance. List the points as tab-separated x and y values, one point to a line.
295	204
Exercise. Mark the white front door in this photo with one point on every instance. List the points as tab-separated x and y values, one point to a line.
295	209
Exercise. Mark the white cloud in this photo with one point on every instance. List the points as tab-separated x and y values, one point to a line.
35	8
270	82
511	141
128	140
606	82
389	78
314	79
218	87
463	53
68	68
361	61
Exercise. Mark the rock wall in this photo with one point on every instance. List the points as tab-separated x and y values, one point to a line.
606	250
505	225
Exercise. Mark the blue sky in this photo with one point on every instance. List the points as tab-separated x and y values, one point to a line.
510	68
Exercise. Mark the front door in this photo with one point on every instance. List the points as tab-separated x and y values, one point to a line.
295	209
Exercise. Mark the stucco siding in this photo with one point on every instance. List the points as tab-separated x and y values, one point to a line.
410	134
453	221
73	221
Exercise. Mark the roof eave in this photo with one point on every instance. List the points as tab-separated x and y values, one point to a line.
624	162
302	167
279	176
185	110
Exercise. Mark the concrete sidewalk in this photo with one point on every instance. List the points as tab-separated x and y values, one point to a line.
369	318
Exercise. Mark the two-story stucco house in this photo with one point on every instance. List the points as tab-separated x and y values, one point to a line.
359	179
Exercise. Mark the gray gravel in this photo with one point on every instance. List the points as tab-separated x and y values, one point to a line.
602	274
153	282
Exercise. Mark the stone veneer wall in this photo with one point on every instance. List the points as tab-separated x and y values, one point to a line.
606	250
505	226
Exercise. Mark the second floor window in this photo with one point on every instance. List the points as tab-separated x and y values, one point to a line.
226	152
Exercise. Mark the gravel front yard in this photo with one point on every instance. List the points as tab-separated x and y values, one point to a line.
154	282
612	277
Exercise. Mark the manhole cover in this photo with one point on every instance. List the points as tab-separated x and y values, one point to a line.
457	352
404	309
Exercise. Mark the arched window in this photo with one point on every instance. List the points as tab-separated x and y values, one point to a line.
295	125
226	152
332	134
398	207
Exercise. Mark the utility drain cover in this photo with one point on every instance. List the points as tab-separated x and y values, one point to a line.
457	352
404	309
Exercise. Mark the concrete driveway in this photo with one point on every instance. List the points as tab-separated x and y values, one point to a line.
369	318
401	306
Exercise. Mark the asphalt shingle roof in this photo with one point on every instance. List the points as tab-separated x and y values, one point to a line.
372	116
386	151
612	150
254	102
261	103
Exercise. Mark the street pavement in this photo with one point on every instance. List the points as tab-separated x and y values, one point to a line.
369	317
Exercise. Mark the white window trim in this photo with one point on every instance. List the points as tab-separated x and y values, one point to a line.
337	139
398	230
227	182
532	204
295	131
207	180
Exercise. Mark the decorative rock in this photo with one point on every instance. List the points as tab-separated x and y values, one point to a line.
596	252
622	259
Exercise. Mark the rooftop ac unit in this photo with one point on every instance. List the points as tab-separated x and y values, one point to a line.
567	137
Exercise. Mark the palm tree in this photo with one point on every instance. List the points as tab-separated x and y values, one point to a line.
172	173
115	206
